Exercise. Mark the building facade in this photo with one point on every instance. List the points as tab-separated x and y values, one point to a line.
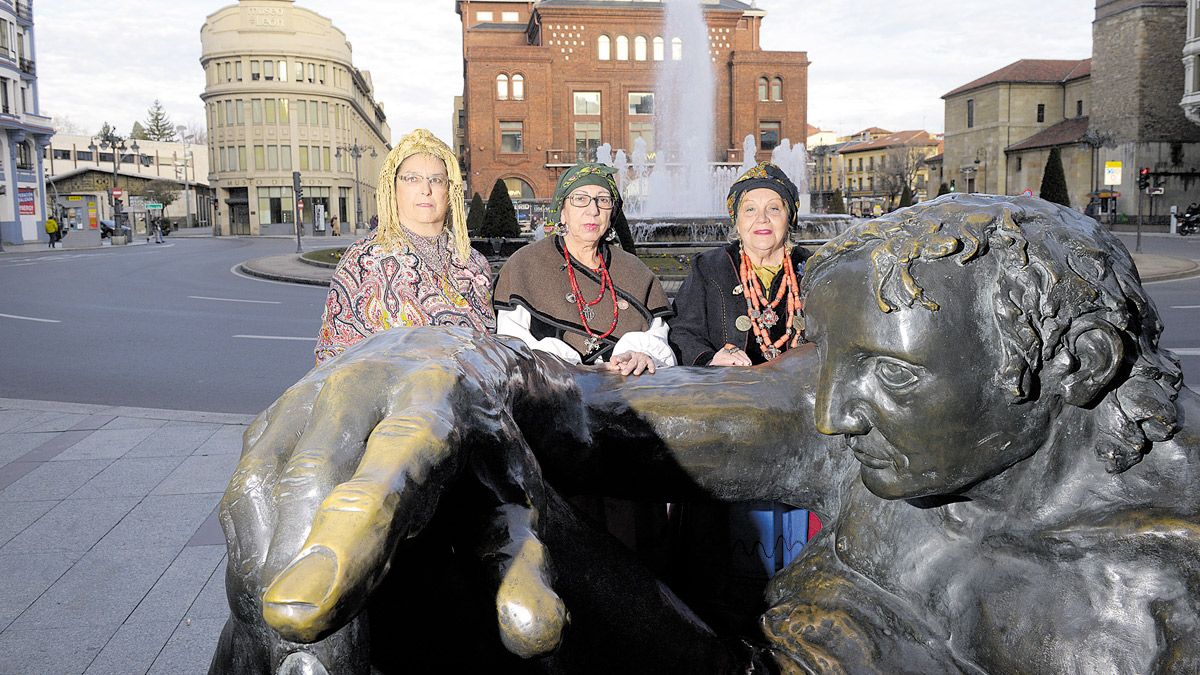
1191	64
25	130
876	170
547	82
282	95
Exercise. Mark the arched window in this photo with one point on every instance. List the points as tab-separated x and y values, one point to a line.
518	87
676	49
622	48
777	89
639	48
518	189
658	48
604	48
502	87
762	89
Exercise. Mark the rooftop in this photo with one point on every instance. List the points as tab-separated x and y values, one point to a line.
1036	71
1064	133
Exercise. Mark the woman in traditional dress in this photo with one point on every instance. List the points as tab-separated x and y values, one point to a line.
417	268
579	297
740	305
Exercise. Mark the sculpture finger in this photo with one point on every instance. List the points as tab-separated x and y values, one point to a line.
392	495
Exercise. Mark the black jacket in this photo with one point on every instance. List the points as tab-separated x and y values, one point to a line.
706	307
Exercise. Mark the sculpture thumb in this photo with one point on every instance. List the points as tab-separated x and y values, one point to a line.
531	616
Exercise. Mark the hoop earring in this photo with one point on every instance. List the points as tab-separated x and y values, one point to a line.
611	236
560	230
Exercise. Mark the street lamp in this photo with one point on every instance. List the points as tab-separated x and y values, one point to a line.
356	152
187	157
108	140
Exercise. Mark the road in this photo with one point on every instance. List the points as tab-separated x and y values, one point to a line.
162	326
172	326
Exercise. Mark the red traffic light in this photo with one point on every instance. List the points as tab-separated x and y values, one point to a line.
1145	171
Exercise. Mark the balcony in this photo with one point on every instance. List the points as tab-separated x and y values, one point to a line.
28	67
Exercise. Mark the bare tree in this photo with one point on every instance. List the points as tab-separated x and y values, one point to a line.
198	131
898	169
65	125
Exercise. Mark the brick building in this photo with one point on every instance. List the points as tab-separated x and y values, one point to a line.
547	82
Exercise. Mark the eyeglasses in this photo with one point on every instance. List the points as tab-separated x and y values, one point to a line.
439	182
581	200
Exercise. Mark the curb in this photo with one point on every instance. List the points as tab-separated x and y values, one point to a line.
246	269
1193	271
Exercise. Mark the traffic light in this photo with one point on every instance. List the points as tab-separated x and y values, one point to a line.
296	187
1143	178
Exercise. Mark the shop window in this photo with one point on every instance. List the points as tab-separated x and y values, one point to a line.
512	137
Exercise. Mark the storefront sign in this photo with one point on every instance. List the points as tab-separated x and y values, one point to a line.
25	201
1112	173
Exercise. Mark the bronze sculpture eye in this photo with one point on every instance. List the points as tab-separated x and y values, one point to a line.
894	374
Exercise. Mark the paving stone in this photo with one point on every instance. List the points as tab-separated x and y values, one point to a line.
54	445
72	525
13	445
160	521
134	423
227	440
26	576
54	651
174	438
93	422
15	471
52	406
52	480
49	421
10	419
210	532
100	589
190	648
16	516
105	444
132	649
212	603
199	473
128	477
177	589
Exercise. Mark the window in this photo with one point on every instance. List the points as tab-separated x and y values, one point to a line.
501	87
762	88
304	158
24	156
860	164
871	163
282	71
325	155
268	70
518	189
622	48
1041	112
275	205
239	110
61	154
299	71
603	48
221	116
83	155
644	131
230	114
485	17
283	111
312	113
639	48
658	49
512	137
271	108
676	49
312	72
260	158
241	158
1079	108
1019	158
256	111
776	89
518	87
321	75
255	70
510	17
273	157
301	112
237	67
641	103
227	76
587	140
324	115
587	103
970	113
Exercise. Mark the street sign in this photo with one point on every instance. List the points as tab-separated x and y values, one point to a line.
1027	193
118	193
1112	173
1155	191
154	206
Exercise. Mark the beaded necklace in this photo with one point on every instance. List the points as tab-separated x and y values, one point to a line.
585	306
762	313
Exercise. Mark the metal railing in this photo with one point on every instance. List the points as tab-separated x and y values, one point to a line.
28	67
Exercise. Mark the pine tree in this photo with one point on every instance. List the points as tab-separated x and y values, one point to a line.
158	126
620	225
501	217
943	189
906	197
836	203
475	216
138	132
1054	180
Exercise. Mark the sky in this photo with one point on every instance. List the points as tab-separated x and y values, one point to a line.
882	63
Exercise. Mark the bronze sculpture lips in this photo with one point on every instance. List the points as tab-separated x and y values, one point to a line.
865	458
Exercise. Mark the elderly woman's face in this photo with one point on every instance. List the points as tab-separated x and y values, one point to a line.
762	221
423	192
584	215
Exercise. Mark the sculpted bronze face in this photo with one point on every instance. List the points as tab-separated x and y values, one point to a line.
915	391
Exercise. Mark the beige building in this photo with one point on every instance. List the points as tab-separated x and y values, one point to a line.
282	95
875	170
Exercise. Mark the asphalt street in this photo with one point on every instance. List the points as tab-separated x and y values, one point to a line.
160	326
173	326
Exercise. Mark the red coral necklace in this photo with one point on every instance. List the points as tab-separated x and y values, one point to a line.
585	306
762	314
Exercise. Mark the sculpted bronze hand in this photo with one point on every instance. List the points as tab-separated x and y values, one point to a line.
1001	454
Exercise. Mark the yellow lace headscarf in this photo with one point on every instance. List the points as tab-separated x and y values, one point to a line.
421	141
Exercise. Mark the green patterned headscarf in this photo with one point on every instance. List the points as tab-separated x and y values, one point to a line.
765	175
580	175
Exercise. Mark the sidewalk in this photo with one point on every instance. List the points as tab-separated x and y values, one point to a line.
111	558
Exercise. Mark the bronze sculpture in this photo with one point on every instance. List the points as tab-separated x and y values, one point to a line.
1001	453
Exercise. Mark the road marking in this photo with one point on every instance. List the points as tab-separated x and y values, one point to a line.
257	302
29	318
273	337
1184	351
1185	307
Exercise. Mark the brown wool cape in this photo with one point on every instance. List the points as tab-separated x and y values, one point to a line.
535	277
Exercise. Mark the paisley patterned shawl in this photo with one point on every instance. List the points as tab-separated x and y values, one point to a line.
375	288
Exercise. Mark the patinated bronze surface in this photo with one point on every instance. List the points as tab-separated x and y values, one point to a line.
1004	460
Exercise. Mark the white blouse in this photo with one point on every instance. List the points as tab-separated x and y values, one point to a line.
653	342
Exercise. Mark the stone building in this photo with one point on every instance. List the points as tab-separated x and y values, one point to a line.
1191	63
282	95
25	130
875	169
549	81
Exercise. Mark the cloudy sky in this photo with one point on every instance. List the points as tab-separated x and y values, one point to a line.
874	62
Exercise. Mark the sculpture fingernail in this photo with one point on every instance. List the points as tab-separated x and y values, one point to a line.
297	601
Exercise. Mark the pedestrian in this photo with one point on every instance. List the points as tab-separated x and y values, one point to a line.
333	225
53	231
